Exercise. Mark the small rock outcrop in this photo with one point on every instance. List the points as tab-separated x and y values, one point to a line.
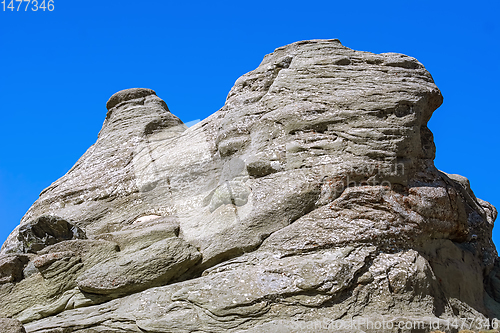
11	268
310	199
45	231
11	326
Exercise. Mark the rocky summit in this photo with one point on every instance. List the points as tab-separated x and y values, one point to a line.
308	203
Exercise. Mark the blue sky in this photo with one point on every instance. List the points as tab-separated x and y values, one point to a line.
59	68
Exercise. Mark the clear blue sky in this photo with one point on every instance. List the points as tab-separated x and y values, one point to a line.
59	68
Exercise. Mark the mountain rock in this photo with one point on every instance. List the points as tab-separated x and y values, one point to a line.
309	201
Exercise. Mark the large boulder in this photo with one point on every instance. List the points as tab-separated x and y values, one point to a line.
308	200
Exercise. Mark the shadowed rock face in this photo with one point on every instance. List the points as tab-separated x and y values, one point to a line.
311	194
45	231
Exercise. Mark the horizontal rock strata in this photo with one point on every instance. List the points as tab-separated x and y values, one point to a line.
310	197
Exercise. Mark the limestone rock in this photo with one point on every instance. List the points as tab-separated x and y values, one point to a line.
310	197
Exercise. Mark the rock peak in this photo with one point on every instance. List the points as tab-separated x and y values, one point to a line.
128	94
311	194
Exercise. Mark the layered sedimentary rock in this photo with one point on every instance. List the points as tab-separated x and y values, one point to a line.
310	197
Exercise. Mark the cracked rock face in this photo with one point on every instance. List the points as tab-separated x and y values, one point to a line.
310	198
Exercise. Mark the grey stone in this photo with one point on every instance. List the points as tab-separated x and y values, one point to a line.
127	95
130	272
47	230
146	231
11	326
310	197
49	282
11	268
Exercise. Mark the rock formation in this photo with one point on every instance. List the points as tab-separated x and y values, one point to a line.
310	197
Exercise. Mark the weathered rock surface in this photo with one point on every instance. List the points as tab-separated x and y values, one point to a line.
47	230
152	266
11	326
11	268
310	198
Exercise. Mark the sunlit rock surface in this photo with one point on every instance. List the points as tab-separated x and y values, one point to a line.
309	199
